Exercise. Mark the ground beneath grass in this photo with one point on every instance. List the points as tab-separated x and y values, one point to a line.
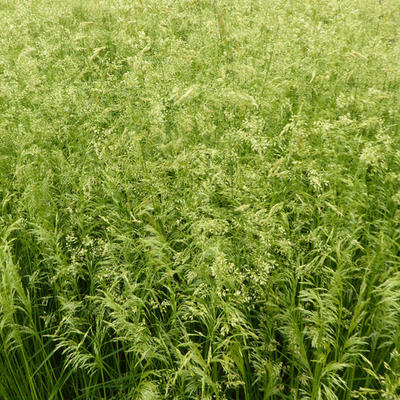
199	199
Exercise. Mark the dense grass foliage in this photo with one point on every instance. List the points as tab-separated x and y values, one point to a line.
199	199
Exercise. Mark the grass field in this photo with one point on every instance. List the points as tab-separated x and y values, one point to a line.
199	199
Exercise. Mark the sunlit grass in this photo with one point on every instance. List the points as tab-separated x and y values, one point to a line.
199	199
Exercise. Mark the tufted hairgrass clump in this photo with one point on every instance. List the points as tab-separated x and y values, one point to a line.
199	199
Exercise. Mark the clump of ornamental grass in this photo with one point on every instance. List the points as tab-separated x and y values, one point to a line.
199	200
